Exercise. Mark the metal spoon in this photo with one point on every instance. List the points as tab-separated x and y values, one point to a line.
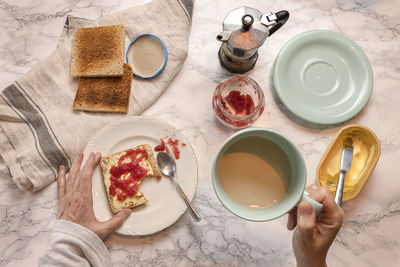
168	167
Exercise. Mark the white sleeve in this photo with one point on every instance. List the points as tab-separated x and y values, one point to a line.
71	244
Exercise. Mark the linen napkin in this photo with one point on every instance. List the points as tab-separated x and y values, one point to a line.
39	130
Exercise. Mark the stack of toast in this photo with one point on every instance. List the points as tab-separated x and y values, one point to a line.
98	61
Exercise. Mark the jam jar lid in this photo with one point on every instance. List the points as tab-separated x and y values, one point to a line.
148	55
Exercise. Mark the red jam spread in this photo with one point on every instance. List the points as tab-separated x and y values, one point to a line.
174	146
170	144
132	171
160	147
238	104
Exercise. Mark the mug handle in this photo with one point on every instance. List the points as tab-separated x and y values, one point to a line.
316	205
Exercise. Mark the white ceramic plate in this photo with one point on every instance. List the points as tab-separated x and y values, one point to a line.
165	205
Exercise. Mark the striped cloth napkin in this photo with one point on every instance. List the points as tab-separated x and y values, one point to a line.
39	130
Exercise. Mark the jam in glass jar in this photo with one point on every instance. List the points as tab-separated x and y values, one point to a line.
238	102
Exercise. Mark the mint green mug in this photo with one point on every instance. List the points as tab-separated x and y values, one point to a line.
279	152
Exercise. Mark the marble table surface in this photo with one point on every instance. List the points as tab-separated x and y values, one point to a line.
369	237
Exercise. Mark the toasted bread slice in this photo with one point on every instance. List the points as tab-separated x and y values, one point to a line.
98	52
104	94
108	161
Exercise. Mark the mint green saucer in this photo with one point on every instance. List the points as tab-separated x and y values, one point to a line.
323	77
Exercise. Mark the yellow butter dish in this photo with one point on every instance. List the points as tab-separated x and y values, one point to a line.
366	152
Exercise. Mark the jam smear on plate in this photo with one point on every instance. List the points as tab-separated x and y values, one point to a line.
160	147
170	144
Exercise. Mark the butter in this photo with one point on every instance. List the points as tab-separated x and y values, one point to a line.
366	152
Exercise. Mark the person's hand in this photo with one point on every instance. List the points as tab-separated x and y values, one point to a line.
312	238
75	202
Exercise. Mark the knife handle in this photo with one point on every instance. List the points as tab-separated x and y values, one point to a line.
339	188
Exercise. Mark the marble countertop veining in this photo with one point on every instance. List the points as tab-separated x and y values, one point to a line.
369	237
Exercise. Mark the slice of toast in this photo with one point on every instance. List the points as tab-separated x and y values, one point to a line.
107	162
98	52
104	94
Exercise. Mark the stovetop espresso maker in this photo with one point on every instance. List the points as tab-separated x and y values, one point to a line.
244	31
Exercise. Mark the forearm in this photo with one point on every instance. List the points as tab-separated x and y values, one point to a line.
323	264
311	261
309	257
73	245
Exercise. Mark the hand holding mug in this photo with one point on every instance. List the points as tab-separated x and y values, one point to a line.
312	238
282	161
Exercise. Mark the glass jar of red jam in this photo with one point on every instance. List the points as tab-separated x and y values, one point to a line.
238	102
